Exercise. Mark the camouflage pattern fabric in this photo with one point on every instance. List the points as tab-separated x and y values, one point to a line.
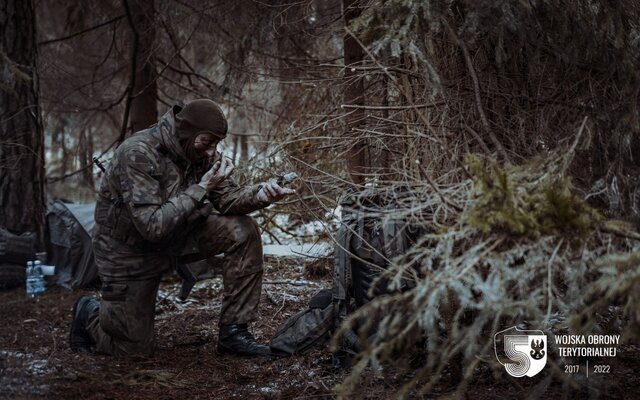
149	214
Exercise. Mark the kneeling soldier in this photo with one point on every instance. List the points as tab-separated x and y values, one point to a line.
158	193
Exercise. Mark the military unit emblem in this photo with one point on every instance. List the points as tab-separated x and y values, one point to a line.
522	352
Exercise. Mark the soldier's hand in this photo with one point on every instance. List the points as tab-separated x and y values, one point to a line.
220	171
272	192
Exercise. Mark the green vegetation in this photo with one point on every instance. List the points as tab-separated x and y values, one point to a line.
526	200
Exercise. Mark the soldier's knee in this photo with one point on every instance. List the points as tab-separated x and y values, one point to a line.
244	229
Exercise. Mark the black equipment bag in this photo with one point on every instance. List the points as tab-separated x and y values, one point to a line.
308	328
15	251
17	248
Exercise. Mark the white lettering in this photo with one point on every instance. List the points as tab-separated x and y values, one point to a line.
570	339
587	351
604	339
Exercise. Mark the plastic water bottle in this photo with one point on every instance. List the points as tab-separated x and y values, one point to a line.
35	278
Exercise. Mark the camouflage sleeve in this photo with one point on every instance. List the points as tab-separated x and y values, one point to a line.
230	198
154	217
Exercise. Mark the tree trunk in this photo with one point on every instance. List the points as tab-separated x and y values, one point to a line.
354	94
144	110
244	149
22	197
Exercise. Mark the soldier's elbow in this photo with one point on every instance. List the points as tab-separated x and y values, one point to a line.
152	236
153	232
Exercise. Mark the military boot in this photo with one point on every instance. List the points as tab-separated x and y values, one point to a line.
79	338
235	339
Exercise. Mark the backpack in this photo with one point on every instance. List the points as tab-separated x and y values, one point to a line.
370	234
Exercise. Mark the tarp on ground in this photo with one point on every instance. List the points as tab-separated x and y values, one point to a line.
69	228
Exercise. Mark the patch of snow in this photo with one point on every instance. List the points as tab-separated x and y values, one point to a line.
270	389
38	367
286	232
334	215
15	354
316	250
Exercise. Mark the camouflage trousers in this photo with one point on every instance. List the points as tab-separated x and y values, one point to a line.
124	324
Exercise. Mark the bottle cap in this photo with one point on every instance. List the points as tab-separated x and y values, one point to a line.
48	270
42	256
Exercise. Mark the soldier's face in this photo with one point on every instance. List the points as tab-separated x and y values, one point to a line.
205	145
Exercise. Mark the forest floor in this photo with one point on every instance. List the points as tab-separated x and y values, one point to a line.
36	362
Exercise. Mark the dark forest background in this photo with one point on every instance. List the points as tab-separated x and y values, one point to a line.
498	116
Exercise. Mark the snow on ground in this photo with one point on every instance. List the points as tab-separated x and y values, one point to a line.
297	232
301	240
315	250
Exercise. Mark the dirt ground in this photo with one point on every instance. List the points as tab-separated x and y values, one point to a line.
36	362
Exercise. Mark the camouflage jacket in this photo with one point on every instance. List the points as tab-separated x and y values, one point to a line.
150	193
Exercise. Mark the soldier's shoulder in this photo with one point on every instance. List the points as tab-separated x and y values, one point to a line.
139	144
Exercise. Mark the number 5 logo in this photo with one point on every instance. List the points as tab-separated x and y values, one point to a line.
522	352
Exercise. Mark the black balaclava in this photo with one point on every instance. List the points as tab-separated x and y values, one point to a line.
199	116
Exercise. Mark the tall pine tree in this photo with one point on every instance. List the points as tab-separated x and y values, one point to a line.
22	197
